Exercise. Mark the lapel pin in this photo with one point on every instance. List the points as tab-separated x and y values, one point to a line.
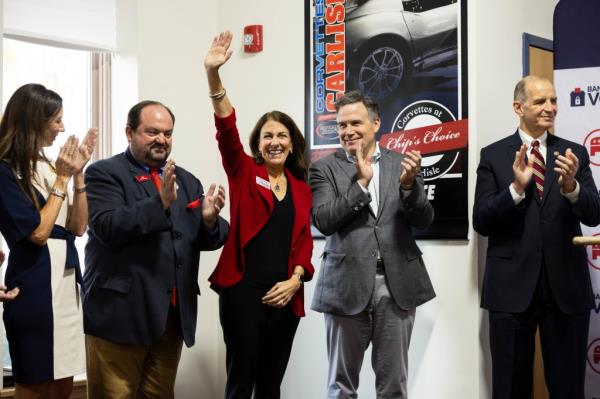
194	204
142	178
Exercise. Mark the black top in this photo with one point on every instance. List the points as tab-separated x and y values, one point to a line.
268	252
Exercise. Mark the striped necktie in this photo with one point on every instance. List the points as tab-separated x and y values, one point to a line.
539	168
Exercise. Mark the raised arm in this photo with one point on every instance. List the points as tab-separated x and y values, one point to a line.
65	167
218	54
230	146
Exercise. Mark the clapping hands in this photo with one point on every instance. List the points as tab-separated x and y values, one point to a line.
364	169
85	150
213	202
168	186
73	157
411	166
566	167
522	169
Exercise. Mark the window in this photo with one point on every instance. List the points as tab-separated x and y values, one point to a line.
65	71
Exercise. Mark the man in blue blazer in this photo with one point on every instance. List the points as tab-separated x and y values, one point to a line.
149	220
533	191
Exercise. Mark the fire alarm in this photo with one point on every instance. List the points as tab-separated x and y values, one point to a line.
253	38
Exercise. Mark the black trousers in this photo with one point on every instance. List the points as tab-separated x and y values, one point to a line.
258	340
564	348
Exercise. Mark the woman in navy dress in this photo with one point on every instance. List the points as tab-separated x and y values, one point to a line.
39	219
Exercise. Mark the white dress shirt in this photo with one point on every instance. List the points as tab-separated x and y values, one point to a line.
543	149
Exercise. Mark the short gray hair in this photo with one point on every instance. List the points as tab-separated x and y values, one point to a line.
520	93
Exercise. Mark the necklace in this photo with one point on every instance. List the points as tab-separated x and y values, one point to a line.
277	188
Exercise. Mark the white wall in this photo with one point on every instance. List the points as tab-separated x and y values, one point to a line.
63	21
124	71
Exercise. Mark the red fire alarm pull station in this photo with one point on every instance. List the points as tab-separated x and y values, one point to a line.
253	38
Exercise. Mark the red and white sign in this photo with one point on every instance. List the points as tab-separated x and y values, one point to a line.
429	139
579	121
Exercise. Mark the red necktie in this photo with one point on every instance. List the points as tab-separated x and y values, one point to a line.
539	168
155	176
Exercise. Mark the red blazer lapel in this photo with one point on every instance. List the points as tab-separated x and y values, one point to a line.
301	206
263	186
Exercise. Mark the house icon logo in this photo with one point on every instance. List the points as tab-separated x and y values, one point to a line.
577	97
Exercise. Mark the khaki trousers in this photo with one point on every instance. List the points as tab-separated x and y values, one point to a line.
129	371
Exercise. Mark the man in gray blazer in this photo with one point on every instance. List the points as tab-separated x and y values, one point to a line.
372	277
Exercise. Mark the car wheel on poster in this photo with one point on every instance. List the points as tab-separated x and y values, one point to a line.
382	67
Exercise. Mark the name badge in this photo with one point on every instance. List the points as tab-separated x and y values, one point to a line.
262	182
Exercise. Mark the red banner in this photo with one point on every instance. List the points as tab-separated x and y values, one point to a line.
429	139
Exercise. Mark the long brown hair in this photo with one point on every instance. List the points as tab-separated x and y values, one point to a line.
296	161
25	119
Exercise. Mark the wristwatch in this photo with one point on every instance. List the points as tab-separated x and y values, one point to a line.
300	277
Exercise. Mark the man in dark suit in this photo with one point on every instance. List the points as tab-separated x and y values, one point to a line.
533	191
365	200
149	220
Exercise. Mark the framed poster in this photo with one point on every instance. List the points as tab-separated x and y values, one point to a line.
411	57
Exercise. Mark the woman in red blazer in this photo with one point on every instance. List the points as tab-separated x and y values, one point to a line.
267	256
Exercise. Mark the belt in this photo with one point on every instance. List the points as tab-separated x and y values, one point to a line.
72	259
